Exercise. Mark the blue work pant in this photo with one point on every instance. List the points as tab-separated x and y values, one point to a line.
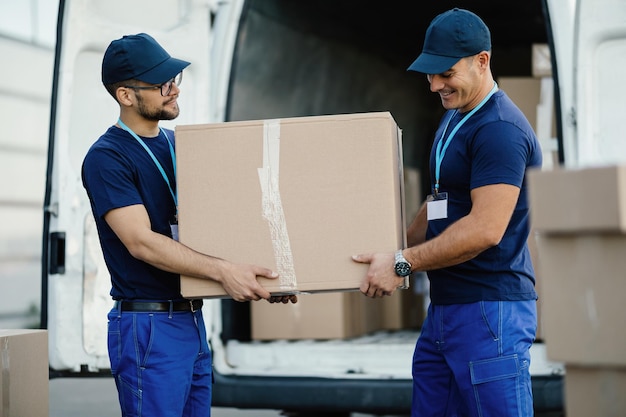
473	360
161	363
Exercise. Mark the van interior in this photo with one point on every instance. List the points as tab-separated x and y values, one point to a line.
346	56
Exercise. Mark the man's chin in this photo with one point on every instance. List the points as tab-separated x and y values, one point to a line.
447	103
170	115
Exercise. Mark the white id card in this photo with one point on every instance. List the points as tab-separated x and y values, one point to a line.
437	206
174	229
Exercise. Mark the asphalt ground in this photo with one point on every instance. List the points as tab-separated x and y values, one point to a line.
97	397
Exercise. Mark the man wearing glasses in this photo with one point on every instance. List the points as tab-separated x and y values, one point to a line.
157	343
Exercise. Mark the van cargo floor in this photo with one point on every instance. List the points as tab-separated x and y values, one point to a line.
383	354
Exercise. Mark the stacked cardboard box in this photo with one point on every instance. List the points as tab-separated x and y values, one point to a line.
298	195
333	315
24	373
336	315
580	216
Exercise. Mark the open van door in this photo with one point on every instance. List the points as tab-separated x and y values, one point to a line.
598	99
589	43
76	282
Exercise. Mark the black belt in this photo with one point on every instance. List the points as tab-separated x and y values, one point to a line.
146	306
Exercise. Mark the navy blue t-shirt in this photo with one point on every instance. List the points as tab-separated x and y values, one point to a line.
495	146
118	172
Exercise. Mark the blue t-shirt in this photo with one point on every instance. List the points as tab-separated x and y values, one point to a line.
118	172
495	146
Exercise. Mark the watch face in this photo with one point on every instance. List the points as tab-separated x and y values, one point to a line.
403	269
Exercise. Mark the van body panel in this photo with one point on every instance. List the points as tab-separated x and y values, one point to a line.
588	45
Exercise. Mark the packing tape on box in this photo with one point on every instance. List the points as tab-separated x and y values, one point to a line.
272	205
4	359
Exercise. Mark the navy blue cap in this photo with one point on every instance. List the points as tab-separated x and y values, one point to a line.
139	57
452	35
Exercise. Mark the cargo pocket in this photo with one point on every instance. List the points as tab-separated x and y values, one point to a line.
497	388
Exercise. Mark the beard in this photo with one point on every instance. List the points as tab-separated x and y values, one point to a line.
155	114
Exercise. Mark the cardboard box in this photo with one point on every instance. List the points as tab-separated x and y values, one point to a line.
535	98
583	285
527	94
585	200
405	309
24	387
298	195
595	392
335	315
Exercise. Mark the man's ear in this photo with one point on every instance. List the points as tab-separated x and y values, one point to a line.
124	96
483	59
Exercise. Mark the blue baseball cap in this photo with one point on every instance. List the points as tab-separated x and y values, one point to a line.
139	57
452	35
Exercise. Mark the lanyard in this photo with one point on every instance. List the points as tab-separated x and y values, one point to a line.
156	161
441	149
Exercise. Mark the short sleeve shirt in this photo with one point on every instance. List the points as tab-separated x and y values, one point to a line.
496	145
118	172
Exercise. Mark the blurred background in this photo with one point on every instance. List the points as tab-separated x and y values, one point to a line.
27	39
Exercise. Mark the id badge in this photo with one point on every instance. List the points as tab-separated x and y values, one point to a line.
437	206
174	229
174	226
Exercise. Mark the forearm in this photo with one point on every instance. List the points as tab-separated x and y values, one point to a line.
132	226
481	229
460	242
169	255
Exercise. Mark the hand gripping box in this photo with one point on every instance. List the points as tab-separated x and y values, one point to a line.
297	195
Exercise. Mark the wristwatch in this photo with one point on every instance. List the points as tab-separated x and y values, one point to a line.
402	267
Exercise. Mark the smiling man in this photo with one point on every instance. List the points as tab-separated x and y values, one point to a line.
473	354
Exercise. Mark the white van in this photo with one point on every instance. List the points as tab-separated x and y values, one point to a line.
261	59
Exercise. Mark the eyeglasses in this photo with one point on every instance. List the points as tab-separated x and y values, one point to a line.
165	88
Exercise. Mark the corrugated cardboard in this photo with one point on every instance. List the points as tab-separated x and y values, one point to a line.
24	373
583	285
335	315
344	314
595	392
586	200
338	192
